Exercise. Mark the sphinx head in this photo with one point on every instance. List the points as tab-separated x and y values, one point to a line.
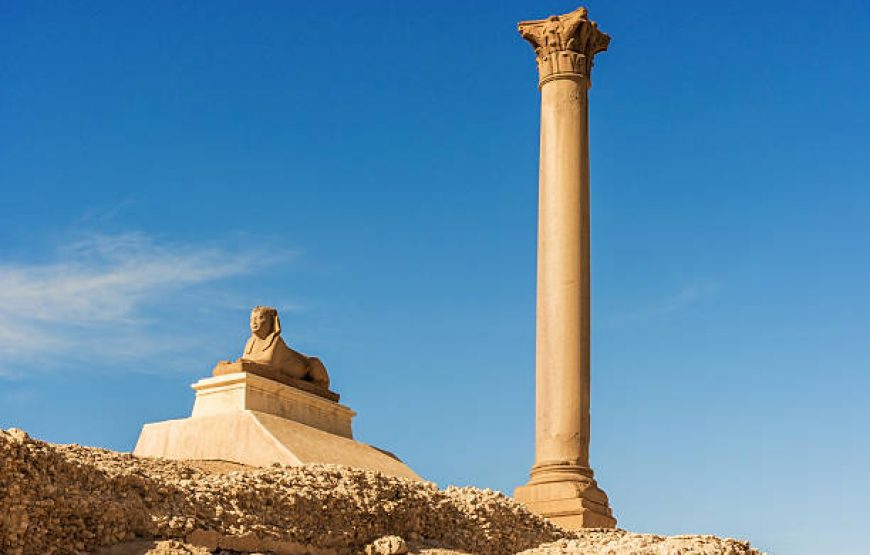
264	321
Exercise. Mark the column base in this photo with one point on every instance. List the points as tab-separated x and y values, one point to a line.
567	495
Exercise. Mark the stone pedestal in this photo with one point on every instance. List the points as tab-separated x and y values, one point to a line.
567	495
561	486
225	367
249	419
244	391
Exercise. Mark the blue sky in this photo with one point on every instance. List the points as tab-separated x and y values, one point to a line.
370	168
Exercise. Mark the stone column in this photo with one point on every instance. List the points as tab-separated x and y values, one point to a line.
562	487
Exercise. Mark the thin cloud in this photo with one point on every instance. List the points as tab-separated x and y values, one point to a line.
90	300
684	298
102	215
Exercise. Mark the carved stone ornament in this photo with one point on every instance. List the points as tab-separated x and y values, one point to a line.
564	44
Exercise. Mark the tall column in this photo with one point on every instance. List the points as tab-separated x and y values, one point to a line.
562	487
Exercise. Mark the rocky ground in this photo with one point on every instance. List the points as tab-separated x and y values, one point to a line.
64	499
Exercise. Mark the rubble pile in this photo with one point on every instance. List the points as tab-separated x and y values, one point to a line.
65	499
600	542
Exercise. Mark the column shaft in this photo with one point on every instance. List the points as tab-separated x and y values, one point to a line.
562	327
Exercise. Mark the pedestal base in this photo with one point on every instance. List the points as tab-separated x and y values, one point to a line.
568	496
248	419
259	439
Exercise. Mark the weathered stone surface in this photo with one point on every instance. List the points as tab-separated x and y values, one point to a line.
601	542
589	542
149	547
67	499
387	545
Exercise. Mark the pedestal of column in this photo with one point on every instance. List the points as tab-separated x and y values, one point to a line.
562	487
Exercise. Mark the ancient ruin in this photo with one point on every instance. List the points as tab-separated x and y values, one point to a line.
272	405
136	506
562	487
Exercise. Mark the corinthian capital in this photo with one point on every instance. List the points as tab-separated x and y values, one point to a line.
564	44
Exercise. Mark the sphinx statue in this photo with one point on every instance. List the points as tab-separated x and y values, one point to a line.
267	355
271	405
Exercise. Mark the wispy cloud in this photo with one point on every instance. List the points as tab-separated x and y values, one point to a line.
104	214
685	297
89	300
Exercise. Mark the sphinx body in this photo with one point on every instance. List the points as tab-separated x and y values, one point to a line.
267	355
272	351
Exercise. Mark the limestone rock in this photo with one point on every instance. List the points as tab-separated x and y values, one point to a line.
66	499
387	545
608	542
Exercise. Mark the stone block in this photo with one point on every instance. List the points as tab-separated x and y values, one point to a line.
571	504
246	391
